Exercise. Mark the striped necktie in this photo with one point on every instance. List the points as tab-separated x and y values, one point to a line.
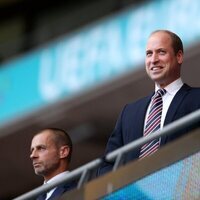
153	123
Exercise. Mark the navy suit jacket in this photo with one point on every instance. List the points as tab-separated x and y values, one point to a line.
130	124
59	191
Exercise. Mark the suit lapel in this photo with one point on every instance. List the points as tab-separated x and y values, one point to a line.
62	189
141	115
174	107
138	124
41	197
58	192
136	119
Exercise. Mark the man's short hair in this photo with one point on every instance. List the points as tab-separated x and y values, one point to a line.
61	138
177	43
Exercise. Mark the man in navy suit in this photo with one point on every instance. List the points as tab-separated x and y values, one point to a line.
164	57
51	151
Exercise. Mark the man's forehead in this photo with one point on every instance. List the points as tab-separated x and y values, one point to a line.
160	36
159	41
42	138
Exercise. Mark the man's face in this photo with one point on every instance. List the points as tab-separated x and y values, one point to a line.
162	64
44	154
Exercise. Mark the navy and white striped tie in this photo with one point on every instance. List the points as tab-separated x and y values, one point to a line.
153	123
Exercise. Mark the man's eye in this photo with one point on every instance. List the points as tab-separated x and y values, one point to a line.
162	52
41	148
148	54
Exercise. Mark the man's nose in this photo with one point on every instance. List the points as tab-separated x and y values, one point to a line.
154	58
33	154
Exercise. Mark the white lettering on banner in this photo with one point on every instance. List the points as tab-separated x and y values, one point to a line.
68	65
82	61
135	38
48	77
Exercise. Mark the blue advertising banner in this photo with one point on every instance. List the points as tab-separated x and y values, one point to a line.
178	181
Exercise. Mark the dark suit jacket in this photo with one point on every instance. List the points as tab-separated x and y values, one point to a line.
59	191
130	124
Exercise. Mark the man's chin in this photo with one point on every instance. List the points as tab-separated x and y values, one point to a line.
156	77
39	172
158	80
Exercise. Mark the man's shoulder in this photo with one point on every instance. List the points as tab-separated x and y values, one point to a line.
193	90
140	101
136	106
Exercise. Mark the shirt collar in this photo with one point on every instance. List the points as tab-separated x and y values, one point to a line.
173	87
56	177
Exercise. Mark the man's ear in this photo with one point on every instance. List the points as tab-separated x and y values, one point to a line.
64	151
179	57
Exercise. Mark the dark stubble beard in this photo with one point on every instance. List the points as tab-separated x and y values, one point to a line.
46	170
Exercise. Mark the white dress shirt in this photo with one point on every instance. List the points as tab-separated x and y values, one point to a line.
171	91
52	180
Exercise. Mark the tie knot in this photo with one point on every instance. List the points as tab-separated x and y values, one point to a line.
160	92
